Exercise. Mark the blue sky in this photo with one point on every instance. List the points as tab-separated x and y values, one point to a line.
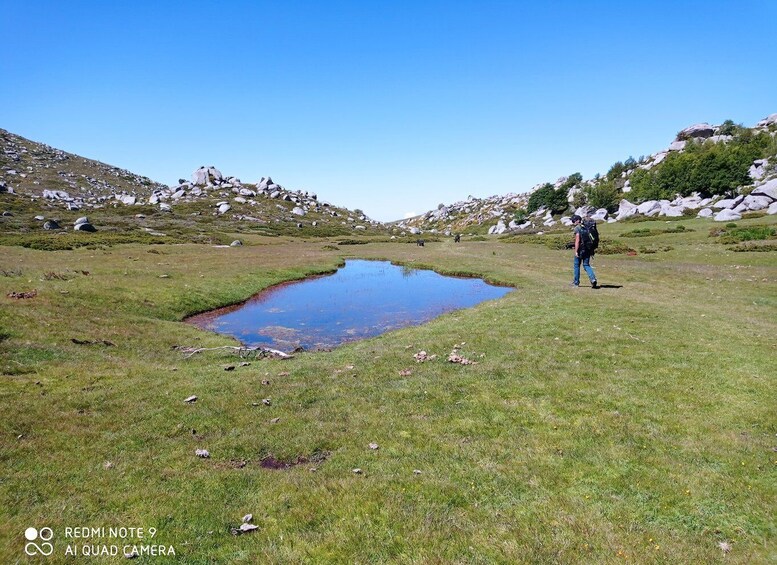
390	107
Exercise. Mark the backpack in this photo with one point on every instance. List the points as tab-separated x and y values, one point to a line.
589	237
594	232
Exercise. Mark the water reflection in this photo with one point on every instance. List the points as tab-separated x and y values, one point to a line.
362	299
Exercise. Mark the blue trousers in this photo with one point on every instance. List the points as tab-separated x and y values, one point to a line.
576	269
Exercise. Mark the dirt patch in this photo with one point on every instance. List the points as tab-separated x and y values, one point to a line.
270	462
22	295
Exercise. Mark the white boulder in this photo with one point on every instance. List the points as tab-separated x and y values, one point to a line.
728	202
758	169
756	202
767	121
672	211
649	206
705	213
767	189
702	131
772	208
727	215
499	228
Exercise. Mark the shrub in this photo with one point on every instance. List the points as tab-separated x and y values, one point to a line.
353	242
749	233
603	194
520	215
613	247
554	200
649	250
751	246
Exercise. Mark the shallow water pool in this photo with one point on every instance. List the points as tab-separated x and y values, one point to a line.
361	300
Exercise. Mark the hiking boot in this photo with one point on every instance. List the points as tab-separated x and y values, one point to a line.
595	284
574	285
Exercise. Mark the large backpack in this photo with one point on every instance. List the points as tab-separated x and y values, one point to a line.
589	237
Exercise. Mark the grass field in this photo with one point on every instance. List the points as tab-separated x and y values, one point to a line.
634	423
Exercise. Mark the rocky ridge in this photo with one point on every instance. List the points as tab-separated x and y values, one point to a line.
499	212
63	181
39	170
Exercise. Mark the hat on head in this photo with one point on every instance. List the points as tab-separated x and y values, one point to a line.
576	219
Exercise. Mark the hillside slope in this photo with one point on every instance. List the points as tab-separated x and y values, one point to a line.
44	190
717	171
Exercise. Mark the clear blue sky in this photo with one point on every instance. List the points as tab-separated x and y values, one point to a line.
391	107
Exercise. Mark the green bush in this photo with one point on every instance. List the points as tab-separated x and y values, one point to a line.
554	200
644	232
749	233
751	246
603	194
613	247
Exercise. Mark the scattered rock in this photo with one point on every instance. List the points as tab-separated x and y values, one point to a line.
374	446
229	367
422	356
248	518
202	453
275	420
267	401
85	227
357	471
416	471
52	225
456	358
236	243
22	295
192	399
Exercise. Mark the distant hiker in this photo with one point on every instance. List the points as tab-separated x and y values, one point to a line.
457	238
585	247
420	243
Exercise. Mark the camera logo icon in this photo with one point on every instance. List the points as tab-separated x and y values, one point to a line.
32	535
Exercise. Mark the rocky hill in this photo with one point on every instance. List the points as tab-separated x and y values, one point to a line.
513	212
56	189
31	168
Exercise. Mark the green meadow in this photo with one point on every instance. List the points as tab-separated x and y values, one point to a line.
636	423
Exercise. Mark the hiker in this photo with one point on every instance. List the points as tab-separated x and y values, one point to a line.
584	250
457	238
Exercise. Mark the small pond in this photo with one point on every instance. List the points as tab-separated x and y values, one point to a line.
362	299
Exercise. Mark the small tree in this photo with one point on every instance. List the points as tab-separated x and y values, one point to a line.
539	197
603	195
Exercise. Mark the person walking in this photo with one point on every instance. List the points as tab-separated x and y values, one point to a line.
583	253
